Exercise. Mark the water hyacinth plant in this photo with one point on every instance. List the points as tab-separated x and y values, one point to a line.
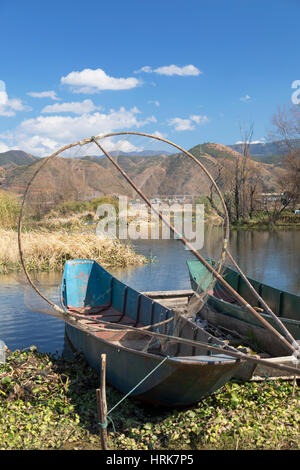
47	402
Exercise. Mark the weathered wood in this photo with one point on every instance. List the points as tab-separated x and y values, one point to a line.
229	351
169	294
101	403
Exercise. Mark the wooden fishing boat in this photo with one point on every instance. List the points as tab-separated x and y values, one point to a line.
187	373
225	311
178	300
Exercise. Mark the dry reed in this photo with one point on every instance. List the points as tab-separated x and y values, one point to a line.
48	251
9	209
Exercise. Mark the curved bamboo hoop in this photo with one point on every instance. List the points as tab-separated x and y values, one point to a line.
20	225
86	141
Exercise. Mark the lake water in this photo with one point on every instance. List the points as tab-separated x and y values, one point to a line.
272	257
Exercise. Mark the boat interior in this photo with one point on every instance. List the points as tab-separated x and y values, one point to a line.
91	291
284	304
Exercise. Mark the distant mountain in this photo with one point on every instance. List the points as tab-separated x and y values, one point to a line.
177	174
65	179
267	152
141	153
90	177
260	149
215	150
13	158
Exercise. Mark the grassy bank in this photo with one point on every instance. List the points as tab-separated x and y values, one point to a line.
48	251
260	221
50	403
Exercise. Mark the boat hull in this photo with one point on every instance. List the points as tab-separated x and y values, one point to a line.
179	381
234	317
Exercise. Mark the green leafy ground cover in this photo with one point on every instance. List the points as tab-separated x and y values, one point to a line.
47	402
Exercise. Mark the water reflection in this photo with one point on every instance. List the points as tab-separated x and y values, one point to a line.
272	257
20	326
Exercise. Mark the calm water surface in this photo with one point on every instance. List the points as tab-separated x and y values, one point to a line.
272	257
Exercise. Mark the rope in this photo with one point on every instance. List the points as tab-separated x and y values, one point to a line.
136	386
105	424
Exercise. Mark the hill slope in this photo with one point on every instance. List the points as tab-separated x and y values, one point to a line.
14	158
91	177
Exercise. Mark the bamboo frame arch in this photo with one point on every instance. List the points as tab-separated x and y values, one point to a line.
215	272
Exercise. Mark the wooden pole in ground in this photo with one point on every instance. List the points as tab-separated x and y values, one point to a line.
101	403
294	386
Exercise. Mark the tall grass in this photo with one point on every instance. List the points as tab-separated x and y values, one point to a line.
77	207
48	251
71	222
9	209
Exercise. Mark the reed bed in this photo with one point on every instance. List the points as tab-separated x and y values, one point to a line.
72	222
9	209
48	251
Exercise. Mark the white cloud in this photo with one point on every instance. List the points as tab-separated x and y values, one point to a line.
261	141
121	145
93	81
180	124
76	107
155	102
159	134
44	94
9	106
146	69
151	119
36	145
3	147
45	134
170	70
199	119
245	98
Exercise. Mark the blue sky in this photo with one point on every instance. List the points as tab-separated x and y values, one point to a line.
192	71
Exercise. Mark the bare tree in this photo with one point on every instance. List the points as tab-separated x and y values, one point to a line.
241	172
253	189
238	180
286	132
220	179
